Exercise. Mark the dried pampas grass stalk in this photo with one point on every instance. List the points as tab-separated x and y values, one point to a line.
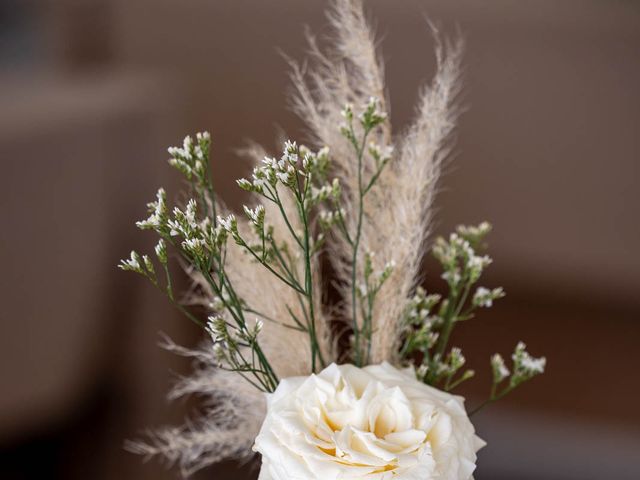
233	414
349	73
398	210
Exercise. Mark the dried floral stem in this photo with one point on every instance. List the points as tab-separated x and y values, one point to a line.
356	246
262	291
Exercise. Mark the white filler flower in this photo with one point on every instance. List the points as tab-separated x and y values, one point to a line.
377	423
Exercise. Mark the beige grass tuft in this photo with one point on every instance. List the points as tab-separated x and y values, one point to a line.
398	211
233	413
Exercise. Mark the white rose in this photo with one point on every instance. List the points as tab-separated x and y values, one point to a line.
377	423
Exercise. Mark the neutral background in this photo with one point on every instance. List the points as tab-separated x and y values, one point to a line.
92	92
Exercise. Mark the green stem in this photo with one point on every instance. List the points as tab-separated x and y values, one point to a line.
492	398
356	246
268	267
315	347
210	188
450	319
263	360
235	309
282	261
278	201
374	179
343	228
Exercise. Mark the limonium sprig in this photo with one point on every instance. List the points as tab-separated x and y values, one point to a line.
303	175
430	318
525	367
200	239
201	243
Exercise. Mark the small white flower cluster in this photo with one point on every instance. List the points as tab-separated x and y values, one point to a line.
370	117
193	158
327	218
422	334
427	334
229	223
449	368
459	259
499	369
525	367
228	340
158	212
372	114
134	263
381	155
347	114
474	233
295	163
218	329
301	175
456	359
256	215
483	297
223	342
139	264
184	223
325	192
373	281
419	307
161	251
198	240
199	237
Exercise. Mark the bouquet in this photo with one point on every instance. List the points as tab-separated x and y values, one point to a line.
361	386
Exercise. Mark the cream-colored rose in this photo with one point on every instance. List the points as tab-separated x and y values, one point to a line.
377	423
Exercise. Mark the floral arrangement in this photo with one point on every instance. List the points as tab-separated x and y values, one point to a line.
356	388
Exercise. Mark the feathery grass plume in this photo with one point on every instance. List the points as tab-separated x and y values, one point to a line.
349	73
233	413
398	208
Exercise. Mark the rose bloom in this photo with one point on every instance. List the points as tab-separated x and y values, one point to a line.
376	422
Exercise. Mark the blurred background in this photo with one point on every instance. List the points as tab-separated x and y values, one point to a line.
93	91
